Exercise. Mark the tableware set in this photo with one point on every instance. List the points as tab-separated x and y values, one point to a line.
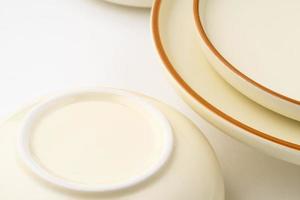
104	143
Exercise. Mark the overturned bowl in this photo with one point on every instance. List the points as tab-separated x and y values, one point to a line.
106	144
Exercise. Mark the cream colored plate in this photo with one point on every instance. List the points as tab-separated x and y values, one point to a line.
192	172
178	44
255	46
135	3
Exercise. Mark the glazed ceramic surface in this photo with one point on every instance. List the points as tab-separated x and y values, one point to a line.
254	45
191	172
68	138
135	3
178	44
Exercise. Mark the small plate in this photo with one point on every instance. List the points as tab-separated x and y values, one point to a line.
254	46
134	3
191	172
177	43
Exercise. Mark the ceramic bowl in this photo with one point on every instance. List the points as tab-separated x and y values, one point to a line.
105	143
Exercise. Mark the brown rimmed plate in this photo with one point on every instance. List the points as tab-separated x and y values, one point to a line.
254	46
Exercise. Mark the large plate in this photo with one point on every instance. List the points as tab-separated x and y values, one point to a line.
177	42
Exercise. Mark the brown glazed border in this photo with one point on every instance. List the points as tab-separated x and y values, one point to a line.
197	97
228	64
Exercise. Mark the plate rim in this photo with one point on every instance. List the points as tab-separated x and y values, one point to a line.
231	67
155	16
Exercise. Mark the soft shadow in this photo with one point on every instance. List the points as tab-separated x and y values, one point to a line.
120	8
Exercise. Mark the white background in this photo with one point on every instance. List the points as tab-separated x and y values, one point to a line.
52	45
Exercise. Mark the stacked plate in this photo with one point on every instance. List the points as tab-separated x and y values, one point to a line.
237	69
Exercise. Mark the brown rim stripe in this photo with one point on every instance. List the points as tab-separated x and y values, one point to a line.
190	91
228	64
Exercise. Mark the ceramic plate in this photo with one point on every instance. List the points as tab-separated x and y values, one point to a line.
135	3
177	43
255	45
192	162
